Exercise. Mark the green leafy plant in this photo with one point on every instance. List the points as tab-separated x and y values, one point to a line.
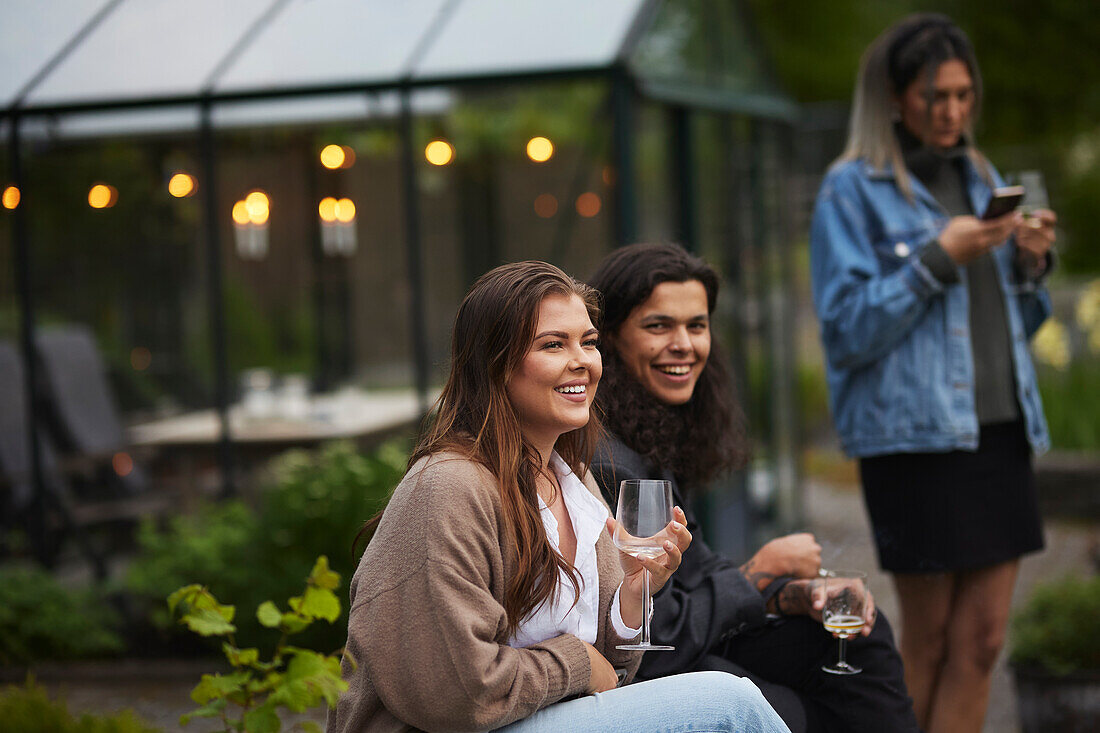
28	709
295	678
40	619
313	504
1058	628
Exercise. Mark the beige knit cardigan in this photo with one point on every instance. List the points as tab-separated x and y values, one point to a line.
427	625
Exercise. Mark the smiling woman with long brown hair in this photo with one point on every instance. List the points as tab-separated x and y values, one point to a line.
490	592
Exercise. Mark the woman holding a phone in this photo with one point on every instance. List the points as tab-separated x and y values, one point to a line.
926	309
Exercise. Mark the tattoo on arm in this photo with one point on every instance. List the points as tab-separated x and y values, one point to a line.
758	578
793	599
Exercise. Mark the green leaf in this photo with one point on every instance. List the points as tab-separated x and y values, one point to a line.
268	614
310	726
240	657
297	696
305	663
321	673
207	622
211	710
293	623
214	686
180	594
322	577
263	719
320	603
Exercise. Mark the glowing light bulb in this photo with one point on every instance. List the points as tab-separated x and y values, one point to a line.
258	207
332	156
102	196
327	209
181	185
345	210
439	152
240	213
11	197
588	204
540	149
546	205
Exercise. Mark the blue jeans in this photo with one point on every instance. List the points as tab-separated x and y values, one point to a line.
699	702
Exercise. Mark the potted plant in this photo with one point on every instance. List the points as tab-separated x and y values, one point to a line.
1055	656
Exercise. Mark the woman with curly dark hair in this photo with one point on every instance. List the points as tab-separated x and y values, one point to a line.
669	405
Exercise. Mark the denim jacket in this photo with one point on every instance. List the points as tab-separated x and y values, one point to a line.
897	340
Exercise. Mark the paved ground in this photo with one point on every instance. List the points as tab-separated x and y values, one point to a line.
159	691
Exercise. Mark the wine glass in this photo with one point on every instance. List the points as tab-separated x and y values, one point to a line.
845	595
1035	194
641	522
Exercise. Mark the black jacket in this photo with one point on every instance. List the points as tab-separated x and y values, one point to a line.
708	599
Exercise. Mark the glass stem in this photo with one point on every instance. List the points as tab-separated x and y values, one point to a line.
843	662
646	601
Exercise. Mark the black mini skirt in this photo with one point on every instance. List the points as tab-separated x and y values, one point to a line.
962	510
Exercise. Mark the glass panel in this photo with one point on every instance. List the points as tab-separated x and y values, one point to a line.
495	203
32	32
701	43
493	37
333	41
131	271
152	47
9	306
655	190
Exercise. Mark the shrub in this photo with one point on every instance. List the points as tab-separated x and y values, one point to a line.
314	504
214	543
1071	401
28	709
1058	628
296	678
40	619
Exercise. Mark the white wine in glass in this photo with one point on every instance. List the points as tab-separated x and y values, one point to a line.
641	528
843	614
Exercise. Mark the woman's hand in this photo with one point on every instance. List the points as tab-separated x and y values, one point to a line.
797	555
603	677
677	539
966	238
1035	236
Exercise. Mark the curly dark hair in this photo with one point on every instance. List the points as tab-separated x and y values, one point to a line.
699	439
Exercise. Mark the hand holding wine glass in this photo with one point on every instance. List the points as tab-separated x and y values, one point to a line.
652	537
1036	234
844	610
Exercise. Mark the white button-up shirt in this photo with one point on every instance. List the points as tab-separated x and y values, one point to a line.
548	620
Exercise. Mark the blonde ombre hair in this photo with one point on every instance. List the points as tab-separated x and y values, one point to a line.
907	51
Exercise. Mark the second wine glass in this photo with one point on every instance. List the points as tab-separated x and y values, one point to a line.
641	528
843	614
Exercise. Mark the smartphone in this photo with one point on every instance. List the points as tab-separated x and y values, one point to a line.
1005	199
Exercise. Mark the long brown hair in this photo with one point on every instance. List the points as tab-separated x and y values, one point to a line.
699	439
473	416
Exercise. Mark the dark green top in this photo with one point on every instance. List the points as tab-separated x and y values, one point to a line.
944	175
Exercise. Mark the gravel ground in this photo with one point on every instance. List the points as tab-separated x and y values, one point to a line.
158	691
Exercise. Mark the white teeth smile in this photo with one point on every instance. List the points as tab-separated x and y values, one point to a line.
579	389
674	369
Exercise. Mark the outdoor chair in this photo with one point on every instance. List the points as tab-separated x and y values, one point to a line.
17	491
80	408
